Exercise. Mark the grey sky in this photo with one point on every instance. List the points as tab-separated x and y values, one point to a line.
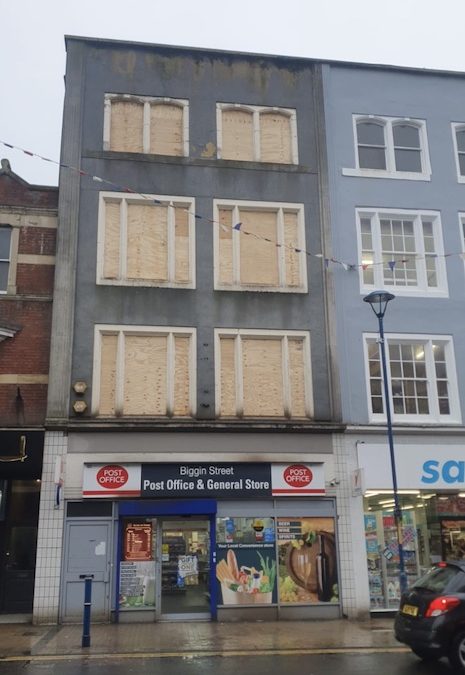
420	33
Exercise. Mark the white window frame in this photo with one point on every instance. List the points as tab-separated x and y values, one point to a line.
256	111
390	171
462	233
422	289
276	207
147	101
163	331
434	417
457	126
5	223
238	333
125	199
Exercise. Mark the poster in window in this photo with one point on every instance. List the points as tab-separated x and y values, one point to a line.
307	565
138	541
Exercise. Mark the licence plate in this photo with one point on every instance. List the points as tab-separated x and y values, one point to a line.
410	609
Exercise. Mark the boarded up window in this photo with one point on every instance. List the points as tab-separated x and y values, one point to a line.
151	376
228	377
108	374
291	241
259	258
111	253
166	129
225	247
262	367
127	122
270	381
181	375
146	242
145	375
238	134
275	138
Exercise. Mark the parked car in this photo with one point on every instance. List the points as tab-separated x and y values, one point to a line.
431	616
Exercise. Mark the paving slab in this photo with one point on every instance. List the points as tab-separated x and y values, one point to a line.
194	637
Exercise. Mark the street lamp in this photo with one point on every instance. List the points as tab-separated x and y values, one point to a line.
378	300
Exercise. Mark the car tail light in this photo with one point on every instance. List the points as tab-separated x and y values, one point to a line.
442	605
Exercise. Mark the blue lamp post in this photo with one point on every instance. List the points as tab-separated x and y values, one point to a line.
378	301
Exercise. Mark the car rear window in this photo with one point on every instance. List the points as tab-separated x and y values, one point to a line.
438	579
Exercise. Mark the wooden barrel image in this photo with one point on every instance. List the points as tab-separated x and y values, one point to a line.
301	562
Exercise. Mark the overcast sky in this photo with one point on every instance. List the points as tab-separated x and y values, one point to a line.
420	33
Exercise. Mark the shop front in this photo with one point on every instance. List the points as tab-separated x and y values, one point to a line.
431	482
206	540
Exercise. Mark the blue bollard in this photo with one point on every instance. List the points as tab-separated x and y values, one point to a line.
87	606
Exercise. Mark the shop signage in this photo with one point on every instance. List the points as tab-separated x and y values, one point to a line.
138	541
203	480
417	466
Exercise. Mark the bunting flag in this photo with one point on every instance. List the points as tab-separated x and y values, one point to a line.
238	227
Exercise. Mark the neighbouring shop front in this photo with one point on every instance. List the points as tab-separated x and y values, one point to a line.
206	540
431	482
20	473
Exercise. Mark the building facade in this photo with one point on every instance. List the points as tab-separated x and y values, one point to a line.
192	403
28	224
395	140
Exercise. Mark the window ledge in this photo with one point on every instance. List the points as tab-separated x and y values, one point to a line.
262	289
416	421
410	293
397	175
143	283
461	179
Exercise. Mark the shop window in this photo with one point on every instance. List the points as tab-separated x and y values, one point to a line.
286	561
143	243
145	124
263	374
390	147
144	371
421	373
402	250
256	133
254	261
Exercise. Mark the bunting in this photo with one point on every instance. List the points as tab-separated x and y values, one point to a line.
237	227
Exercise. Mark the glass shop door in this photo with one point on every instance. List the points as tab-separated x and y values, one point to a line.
185	568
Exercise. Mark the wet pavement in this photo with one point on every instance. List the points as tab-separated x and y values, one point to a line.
196	638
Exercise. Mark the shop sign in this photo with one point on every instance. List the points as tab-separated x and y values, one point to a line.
417	466
110	480
203	480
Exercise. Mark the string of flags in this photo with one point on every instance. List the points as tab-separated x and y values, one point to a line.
238	227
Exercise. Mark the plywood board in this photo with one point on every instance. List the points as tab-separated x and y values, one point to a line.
291	239
147	242
228	378
109	346
111	252
126	131
181	376
237	132
181	235
275	138
145	363
262	377
259	258
225	271
297	377
166	129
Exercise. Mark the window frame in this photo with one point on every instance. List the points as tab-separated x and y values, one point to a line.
12	260
257	111
147	101
390	172
121	331
423	290
260	334
455	127
433	418
181	202
278	207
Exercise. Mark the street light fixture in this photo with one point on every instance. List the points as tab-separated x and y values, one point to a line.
378	301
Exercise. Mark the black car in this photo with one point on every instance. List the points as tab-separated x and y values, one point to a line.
431	617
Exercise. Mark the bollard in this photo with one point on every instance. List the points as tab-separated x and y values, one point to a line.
87	605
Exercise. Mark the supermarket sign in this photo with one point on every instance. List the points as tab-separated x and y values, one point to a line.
417	466
233	480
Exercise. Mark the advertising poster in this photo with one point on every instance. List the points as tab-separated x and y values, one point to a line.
246	561
307	565
138	541
136	585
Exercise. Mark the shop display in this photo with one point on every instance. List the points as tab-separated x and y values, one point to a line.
307	560
247	584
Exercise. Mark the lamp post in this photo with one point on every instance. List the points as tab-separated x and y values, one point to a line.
378	301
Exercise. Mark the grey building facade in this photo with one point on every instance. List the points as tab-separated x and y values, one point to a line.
192	403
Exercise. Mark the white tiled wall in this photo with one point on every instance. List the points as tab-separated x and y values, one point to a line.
351	533
50	535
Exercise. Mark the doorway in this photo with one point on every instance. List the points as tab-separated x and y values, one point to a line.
164	569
